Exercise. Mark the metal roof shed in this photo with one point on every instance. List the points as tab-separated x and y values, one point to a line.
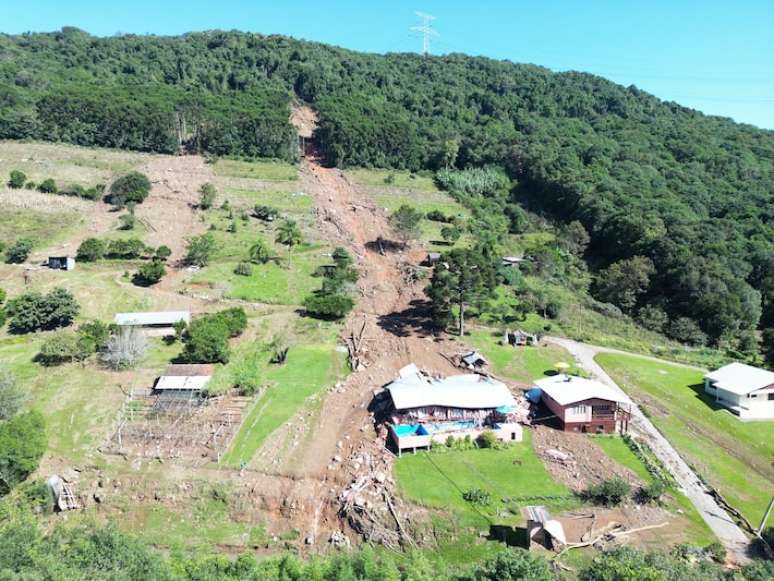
152	319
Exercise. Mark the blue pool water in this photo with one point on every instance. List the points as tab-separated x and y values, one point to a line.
428	429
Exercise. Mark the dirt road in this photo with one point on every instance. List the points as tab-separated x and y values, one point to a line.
716	517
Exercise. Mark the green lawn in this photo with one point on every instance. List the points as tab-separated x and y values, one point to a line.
523	364
733	456
290	204
394	179
264	170
438	480
309	368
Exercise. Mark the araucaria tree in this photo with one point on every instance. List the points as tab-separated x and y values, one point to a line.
463	277
405	220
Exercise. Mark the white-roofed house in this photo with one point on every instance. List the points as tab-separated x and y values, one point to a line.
186	381
745	390
426	410
585	405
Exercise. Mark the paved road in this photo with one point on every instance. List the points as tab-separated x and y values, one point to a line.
716	517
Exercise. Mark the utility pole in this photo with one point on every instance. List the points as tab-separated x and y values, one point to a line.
426	29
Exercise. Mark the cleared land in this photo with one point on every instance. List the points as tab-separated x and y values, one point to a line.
733	456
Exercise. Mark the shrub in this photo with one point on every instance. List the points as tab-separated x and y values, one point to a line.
33	311
73	190
259	252
206	341
451	234
149	273
716	551
243	269
19	251
610	492
30	185
64	347
127	222
162	253
91	250
341	257
200	249
328	306
438	216
515	564
17	179
405	220
653	492
207	197
48	186
94	193
266	213
133	187
477	496
125	348
22	444
96	333
487	439
233	319
128	249
686	330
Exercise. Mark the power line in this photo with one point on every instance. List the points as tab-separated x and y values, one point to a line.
426	29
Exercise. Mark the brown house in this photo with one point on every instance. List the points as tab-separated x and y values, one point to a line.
585	405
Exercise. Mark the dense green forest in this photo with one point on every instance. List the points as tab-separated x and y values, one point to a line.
677	204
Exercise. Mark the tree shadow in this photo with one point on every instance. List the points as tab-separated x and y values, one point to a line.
415	320
383	246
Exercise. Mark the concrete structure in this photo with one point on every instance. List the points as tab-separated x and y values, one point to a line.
61	262
585	405
542	529
474	360
427	410
159	320
745	390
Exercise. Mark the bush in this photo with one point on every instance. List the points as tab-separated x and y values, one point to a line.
451	234
33	311
30	185
17	179
438	216
125	348
206	339
653	492
48	186
328	306
133	187
73	190
244	269
487	439
687	331
96	333
149	273
128	249
511	565
19	251
266	213
162	253
127	222
259	252
64	347
200	249
716	551
207	197
91	250
22	444
477	496
610	492
405	220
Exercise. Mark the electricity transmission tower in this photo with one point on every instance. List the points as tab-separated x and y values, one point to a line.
426	29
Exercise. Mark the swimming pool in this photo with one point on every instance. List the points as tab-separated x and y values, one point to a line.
402	430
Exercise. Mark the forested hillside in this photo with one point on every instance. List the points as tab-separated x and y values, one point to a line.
678	205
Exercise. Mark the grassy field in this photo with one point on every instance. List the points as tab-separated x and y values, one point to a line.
438	480
733	456
264	170
43	227
394	179
309	368
523	364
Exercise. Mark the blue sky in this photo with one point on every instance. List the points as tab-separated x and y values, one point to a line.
716	56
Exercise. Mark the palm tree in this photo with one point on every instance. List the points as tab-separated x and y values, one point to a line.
289	233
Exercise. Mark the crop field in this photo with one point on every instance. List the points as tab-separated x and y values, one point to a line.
733	456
